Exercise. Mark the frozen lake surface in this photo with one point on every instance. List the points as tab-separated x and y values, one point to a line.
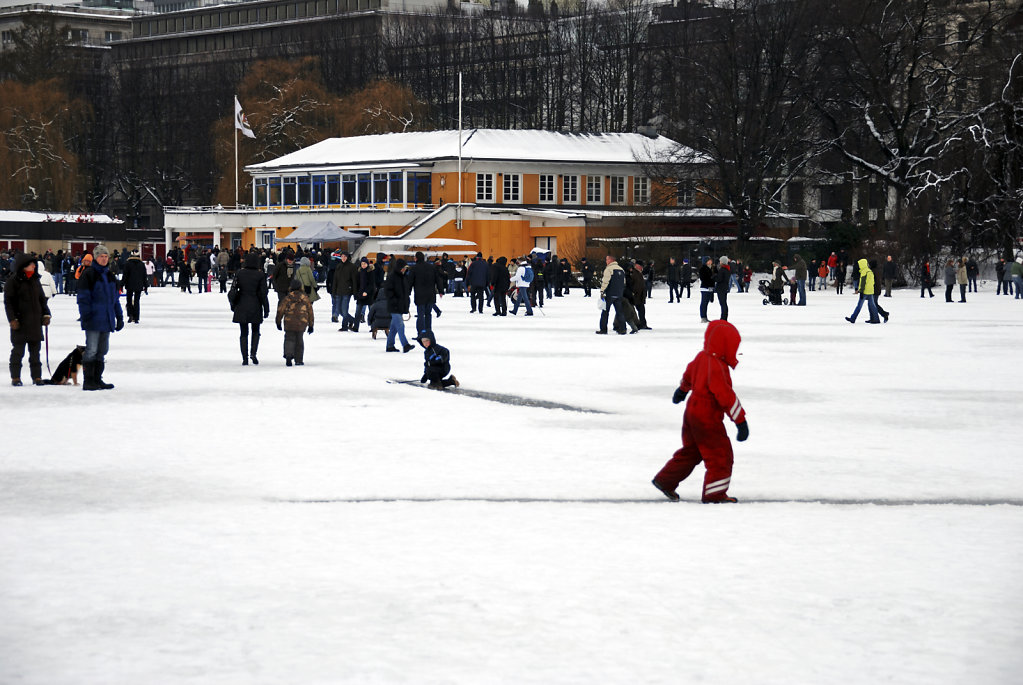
206	522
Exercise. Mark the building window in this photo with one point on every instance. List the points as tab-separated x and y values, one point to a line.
617	190
111	36
548	188
304	194
365	195
484	187
7	37
319	191
684	195
570	190
795	203
274	196
379	188
259	186
348	186
835	197
396	182
418	188
78	36
333	189
290	190
594	190
512	188
641	190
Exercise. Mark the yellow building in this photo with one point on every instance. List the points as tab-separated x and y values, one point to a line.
506	191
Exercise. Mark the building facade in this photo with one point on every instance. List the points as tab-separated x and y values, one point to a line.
508	192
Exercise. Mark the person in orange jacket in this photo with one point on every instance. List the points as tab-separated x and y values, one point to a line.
703	430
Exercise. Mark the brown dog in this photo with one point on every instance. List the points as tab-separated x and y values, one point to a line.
67	370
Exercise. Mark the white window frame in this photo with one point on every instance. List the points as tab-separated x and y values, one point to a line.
511	187
548	189
570	189
641	190
594	190
484	187
617	187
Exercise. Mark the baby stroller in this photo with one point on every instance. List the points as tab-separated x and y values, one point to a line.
771	295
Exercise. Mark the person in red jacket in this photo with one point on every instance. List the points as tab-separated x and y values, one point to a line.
703	429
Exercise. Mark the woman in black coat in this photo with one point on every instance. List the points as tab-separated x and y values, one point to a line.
248	296
27	313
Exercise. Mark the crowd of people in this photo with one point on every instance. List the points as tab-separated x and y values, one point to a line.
382	291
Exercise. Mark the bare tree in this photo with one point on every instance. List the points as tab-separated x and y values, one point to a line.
897	92
744	129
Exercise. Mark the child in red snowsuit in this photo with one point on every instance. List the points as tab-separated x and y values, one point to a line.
703	429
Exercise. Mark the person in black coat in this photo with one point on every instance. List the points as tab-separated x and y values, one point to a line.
706	288
500	281
586	270
425	282
638	285
133	280
722	281
377	316
185	276
478	275
687	279
436	363
365	292
248	296
27	313
202	270
397	289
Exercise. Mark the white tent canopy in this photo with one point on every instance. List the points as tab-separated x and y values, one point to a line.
319	232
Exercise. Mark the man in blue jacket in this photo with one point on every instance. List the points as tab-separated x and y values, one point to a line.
100	314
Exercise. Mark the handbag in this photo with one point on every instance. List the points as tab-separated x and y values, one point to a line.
232	294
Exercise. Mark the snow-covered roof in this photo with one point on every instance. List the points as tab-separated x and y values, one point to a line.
477	144
15	215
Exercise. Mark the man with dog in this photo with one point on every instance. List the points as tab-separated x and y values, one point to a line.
100	314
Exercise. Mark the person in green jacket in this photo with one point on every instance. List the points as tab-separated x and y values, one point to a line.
305	275
866	289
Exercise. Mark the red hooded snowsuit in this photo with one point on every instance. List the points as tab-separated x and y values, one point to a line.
703	430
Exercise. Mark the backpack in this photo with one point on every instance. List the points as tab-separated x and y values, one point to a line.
527	274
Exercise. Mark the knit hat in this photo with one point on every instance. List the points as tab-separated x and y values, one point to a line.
364	260
723	260
100	249
252	261
296	284
304	261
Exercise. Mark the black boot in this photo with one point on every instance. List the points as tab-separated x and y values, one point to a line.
255	347
355	327
89	376
98	376
243	342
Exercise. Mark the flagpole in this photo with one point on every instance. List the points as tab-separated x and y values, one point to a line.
458	222
236	166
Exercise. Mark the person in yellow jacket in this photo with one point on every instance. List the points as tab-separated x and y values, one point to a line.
866	289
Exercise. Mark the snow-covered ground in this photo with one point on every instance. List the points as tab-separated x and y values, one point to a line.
206	522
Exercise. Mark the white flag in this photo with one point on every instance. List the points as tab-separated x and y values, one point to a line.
240	122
